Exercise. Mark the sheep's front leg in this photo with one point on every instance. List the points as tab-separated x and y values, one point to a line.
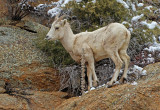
90	67
89	75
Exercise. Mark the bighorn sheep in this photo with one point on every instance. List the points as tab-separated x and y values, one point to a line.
107	42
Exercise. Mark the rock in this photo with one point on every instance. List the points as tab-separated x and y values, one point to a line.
31	26
21	63
3	9
2	90
2	83
37	101
37	77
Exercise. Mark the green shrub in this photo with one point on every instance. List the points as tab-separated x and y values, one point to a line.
95	15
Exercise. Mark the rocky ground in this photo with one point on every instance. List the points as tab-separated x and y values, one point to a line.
143	96
21	63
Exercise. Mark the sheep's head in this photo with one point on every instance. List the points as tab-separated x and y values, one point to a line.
57	29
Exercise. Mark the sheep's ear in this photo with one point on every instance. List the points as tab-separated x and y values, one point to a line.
56	17
64	22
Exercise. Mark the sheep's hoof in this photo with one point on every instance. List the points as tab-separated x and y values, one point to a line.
123	80
89	88
111	84
95	83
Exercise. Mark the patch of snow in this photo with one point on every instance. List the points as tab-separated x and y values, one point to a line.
121	70
151	25
57	9
153	48
137	68
140	4
149	55
154	41
125	22
67	1
123	3
130	29
134	83
54	11
133	7
149	8
78	0
150	60
159	38
92	88
100	86
105	64
40	7
144	73
117	82
93	1
136	18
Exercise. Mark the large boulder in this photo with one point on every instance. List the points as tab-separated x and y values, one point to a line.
35	101
22	65
31	26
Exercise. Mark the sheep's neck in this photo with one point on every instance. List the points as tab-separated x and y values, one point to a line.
68	38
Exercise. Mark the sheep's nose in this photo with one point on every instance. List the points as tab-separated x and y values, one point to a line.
46	37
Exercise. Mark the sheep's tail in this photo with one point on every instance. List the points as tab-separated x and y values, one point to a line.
83	72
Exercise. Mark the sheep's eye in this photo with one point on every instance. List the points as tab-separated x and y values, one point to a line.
57	28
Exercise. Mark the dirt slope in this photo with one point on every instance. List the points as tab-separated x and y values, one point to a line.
36	101
143	96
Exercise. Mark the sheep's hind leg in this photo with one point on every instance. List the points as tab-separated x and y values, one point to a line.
118	63
126	60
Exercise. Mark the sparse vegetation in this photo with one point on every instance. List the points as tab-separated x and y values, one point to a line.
18	9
